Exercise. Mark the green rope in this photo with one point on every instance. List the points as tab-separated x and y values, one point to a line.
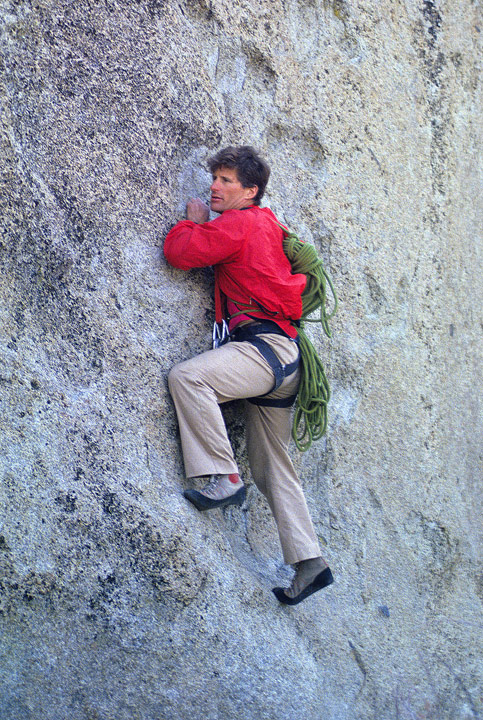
310	418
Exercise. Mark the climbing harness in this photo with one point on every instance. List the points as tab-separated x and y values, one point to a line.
251	334
310	416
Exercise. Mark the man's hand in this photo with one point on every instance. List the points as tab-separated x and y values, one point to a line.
197	211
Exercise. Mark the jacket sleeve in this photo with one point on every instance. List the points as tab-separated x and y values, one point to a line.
191	245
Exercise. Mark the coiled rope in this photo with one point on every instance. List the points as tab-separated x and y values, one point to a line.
310	418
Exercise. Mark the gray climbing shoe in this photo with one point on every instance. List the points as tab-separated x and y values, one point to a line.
310	576
220	491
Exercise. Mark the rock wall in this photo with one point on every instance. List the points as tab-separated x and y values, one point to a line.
118	601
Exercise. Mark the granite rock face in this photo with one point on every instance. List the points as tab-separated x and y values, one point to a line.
118	601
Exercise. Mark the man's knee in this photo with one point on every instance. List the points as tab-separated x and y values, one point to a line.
175	378
183	376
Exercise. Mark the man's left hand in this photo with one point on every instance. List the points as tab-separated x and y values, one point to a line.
197	211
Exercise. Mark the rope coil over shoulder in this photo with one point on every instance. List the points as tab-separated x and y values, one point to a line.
310	418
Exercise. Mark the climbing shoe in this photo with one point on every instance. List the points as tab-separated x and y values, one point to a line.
310	576
220	491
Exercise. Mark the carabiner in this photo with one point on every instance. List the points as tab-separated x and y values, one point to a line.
221	334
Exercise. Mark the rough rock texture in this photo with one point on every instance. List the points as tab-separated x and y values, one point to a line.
118	601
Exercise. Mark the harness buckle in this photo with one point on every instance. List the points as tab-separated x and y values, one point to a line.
221	334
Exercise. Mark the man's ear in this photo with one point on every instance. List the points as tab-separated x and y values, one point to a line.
251	192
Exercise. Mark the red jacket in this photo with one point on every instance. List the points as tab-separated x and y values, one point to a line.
245	246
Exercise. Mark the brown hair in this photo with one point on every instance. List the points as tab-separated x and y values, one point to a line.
250	168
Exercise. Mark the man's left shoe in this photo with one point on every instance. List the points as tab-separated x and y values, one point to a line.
220	491
308	579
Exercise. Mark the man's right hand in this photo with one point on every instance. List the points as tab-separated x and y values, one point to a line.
197	211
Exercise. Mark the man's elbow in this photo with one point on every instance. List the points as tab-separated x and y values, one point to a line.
175	258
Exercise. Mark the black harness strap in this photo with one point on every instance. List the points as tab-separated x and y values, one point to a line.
251	334
272	402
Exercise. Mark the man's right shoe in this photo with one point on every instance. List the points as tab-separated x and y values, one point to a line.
220	491
310	576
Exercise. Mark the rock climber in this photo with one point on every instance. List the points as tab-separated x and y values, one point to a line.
257	305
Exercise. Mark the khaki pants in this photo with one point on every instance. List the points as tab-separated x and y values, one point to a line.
238	370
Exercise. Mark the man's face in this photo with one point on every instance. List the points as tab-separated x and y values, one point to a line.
227	192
